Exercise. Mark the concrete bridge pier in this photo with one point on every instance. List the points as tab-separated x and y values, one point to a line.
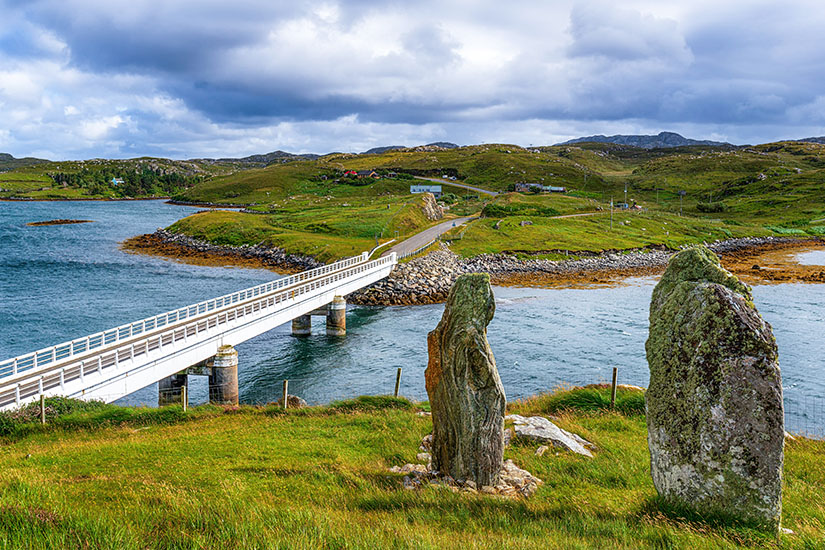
302	326
169	389
223	377
337	317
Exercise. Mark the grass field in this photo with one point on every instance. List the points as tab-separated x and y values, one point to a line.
689	194
325	229
593	233
120	478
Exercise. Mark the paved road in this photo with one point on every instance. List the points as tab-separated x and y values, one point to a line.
420	239
454	184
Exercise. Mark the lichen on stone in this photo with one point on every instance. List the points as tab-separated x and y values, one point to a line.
466	395
714	403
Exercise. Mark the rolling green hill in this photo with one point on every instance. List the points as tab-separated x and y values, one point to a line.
719	191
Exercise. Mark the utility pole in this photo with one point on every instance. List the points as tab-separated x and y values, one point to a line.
611	213
625	193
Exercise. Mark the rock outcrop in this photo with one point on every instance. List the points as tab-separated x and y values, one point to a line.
714	405
432	211
466	395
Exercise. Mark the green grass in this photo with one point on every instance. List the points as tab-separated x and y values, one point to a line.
261	477
593	233
324	229
771	189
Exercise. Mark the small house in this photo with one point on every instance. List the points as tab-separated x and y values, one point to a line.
434	189
361	174
117	181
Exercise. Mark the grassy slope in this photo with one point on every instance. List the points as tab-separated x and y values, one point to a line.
324	229
33	181
593	233
770	189
257	478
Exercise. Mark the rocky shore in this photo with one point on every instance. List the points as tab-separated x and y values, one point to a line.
427	280
183	247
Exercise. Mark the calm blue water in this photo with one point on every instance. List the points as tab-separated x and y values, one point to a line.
62	282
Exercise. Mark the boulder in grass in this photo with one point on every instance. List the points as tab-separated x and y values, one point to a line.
538	428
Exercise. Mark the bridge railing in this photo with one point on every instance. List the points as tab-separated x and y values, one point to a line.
48	376
66	350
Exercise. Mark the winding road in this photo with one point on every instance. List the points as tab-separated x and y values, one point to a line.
420	239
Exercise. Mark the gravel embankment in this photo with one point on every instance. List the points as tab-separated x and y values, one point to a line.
427	280
271	256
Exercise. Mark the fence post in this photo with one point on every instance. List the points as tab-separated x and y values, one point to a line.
397	381
42	409
286	395
613	388
184	399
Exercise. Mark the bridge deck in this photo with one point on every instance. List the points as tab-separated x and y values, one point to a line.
110	364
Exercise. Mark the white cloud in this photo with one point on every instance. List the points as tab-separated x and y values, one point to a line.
194	78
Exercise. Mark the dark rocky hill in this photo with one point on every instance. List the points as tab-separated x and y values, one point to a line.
8	162
662	140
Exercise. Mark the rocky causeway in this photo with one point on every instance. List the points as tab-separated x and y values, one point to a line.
427	279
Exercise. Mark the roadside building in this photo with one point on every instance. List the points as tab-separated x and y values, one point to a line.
434	189
538	188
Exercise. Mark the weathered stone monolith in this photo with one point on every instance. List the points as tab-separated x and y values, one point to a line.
466	396
714	406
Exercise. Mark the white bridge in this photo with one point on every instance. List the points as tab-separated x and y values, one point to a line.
116	362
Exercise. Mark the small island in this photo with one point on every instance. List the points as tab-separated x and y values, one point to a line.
58	222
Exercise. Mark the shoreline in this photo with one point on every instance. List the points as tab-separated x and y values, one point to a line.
85	199
427	279
182	248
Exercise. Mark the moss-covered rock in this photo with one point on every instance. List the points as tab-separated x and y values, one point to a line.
714	405
466	395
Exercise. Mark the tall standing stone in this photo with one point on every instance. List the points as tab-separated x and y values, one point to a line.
714	406
466	396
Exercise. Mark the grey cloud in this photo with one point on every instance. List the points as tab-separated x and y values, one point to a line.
240	69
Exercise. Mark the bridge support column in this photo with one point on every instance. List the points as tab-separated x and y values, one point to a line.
223	377
169	389
337	317
302	326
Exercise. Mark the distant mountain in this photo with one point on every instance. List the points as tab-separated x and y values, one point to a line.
380	150
663	140
443	145
263	160
437	144
820	139
8	162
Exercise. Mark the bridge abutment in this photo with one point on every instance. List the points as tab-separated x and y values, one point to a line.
302	326
337	317
223	377
170	389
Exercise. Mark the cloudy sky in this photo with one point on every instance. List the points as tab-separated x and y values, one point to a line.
185	78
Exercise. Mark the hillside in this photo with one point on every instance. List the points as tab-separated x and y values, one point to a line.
93	179
661	140
8	162
688	193
108	477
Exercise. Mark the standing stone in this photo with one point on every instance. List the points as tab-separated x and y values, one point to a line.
466	396
714	406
